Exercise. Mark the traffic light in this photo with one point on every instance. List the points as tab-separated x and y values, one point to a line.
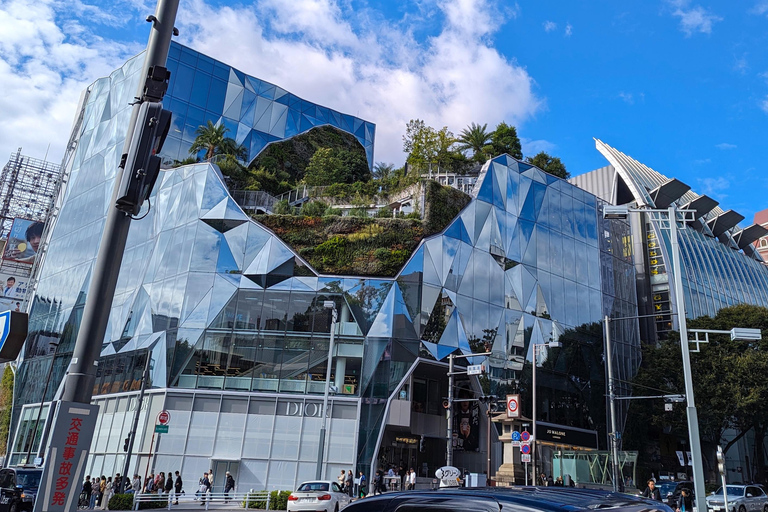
487	399
125	444
141	165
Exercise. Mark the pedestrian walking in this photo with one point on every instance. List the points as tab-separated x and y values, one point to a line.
87	489
177	487
362	485
684	501
651	491
94	493
349	483
229	485
205	488
342	478
412	480
169	483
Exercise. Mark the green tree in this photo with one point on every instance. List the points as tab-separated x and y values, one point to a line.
283	207
328	166
475	138
213	140
504	140
420	142
6	401
550	164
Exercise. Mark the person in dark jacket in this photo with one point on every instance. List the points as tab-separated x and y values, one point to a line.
651	491
684	501
177	486
169	483
229	485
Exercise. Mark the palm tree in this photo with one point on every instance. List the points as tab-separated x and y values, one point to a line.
381	170
474	137
213	140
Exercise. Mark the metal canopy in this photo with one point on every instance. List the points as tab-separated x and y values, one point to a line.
749	234
668	192
702	204
724	222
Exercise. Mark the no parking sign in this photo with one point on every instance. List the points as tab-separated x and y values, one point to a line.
513	406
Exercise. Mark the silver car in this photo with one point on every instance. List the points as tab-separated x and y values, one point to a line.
741	498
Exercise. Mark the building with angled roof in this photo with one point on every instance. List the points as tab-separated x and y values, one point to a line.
761	245
721	265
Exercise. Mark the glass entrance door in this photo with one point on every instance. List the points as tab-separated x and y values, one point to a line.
220	468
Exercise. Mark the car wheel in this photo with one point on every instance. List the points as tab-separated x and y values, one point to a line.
765	508
742	509
13	508
337	508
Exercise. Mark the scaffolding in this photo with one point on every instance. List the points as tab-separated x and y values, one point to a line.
27	189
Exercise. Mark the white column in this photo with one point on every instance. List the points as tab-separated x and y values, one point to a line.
341	370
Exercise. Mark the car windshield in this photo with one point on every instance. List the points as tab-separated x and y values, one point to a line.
732	490
667	488
314	486
29	480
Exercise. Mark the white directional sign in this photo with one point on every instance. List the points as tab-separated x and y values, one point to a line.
475	369
513	406
525	458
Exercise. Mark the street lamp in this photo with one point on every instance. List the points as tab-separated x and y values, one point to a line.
321	447
536	347
622	212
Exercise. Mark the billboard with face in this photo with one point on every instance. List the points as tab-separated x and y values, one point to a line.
23	241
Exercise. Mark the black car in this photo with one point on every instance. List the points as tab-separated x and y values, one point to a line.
18	488
505	499
670	491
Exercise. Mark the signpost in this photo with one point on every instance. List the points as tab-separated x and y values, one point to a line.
513	406
164	418
475	369
516	439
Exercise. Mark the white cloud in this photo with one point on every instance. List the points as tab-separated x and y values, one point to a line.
741	65
568	30
725	146
549	26
764	105
532	147
693	18
760	8
714	187
628	97
47	58
369	67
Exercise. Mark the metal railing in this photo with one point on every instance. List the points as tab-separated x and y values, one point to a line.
210	499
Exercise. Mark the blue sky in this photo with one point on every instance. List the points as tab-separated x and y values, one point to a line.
680	85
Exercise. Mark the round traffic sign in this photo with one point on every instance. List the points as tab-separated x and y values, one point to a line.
516	435
164	418
525	449
525	436
512	405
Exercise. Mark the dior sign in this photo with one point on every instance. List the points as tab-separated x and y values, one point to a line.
310	409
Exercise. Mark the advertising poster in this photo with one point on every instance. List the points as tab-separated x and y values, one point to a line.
466	423
23	241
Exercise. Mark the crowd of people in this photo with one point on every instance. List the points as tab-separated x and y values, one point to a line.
394	479
96	492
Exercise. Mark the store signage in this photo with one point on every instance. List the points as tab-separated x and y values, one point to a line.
549	432
310	409
407	440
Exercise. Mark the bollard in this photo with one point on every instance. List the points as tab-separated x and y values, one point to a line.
268	495
170	501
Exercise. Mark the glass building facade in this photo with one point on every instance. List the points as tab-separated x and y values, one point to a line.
232	321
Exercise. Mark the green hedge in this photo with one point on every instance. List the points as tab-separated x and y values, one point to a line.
122	502
278	500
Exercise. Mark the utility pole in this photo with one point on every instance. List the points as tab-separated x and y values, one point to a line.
329	304
134	179
132	433
612	401
449	414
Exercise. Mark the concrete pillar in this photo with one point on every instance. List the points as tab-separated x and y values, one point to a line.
341	370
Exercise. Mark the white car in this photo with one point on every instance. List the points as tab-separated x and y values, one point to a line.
314	495
741	498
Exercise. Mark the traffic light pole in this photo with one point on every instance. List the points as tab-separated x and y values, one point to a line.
136	415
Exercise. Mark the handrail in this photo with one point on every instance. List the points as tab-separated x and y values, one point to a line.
232	499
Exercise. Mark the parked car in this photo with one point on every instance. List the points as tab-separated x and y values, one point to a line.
670	491
505	499
18	488
741	498
322	495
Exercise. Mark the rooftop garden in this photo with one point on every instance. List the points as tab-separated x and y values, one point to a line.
372	239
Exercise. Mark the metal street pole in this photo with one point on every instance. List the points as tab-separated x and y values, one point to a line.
321	446
12	366
533	419
612	401
693	420
449	414
40	409
132	433
82	370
